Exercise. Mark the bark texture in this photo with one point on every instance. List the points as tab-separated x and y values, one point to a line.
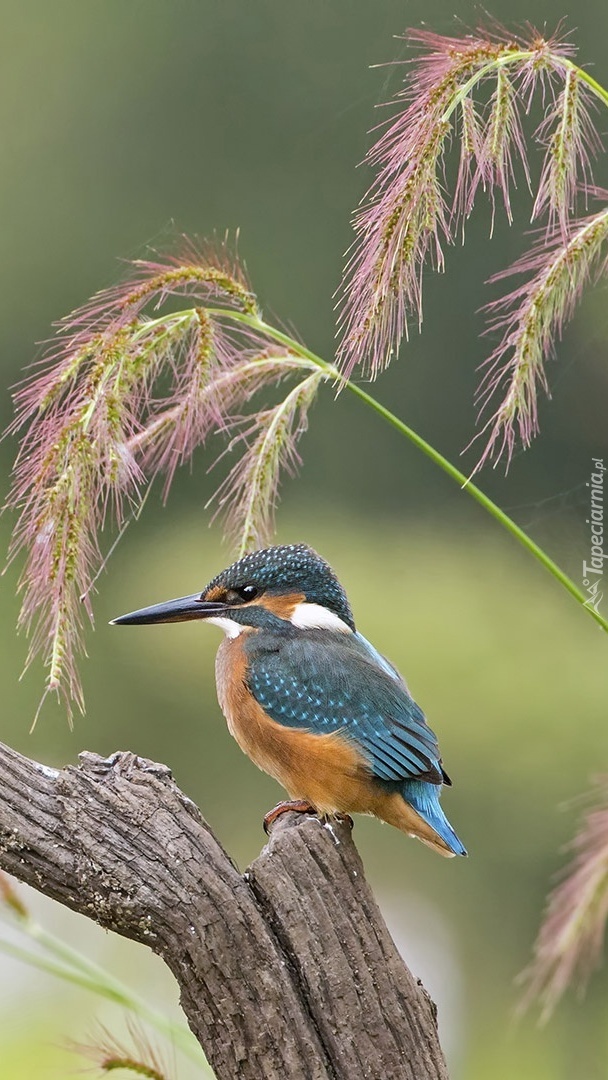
286	972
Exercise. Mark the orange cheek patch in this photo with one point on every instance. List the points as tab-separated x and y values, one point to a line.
282	606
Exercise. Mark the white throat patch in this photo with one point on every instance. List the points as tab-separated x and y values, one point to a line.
315	616
230	628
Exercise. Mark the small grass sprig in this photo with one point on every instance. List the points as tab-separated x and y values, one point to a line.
136	1054
570	140
569	943
502	143
530	319
250	492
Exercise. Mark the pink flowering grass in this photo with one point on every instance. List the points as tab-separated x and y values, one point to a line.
569	942
530	319
474	90
250	491
99	424
136	1054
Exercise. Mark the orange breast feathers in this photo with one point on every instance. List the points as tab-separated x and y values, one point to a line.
326	770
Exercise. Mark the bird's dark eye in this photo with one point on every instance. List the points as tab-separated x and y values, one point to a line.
247	592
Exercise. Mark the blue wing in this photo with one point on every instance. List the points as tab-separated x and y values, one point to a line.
326	683
381	660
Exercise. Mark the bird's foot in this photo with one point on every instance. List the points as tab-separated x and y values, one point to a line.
297	806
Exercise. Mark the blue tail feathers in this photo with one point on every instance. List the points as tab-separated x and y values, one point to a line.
424	798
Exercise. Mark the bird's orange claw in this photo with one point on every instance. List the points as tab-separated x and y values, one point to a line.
297	806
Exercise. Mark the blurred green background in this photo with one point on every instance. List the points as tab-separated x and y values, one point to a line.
126	122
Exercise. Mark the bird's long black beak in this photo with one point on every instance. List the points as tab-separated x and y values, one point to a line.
181	610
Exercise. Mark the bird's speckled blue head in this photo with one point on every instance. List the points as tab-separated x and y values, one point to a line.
263	589
284	570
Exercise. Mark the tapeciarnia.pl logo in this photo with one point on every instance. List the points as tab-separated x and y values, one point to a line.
593	571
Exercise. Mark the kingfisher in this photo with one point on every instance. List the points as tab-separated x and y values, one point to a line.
310	700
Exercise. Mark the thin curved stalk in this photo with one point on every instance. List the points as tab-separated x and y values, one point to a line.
596	88
438	459
483	500
498	62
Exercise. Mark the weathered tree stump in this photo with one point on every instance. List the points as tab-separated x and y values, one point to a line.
285	971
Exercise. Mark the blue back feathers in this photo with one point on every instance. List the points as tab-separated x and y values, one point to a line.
330	682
